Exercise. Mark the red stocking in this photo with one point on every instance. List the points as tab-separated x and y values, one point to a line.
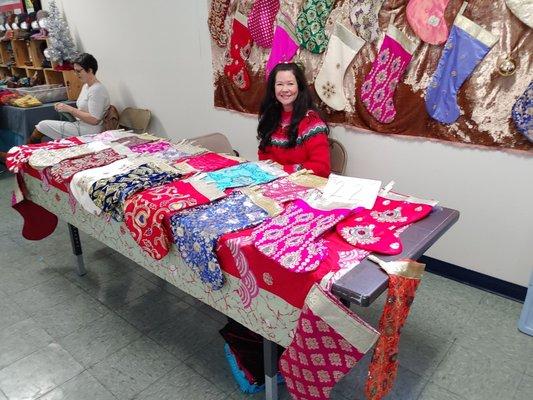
404	278
329	340
238	53
38	222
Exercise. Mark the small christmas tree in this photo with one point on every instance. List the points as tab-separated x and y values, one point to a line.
61	48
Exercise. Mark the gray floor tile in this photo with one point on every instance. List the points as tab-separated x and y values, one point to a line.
421	352
477	375
444	308
152	309
525	389
407	385
2	396
435	392
13	253
47	294
99	270
117	292
102	337
181	382
30	271
82	387
65	318
185	336
283	394
213	366
494	326
10	312
133	368
20	340
38	373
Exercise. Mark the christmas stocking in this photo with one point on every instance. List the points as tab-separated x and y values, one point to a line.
404	278
523	9
310	25
467	45
523	113
373	230
261	21
377	91
238	52
38	221
426	17
364	17
216	19
284	43
342	48
292	238
329	340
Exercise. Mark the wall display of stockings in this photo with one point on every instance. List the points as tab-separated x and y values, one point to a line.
434	69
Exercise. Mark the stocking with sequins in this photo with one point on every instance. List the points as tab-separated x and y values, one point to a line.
311	23
364	18
261	21
239	50
216	21
329	340
466	46
377	90
373	230
404	278
426	17
292	238
342	48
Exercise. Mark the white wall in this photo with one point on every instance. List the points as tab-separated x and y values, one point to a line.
156	54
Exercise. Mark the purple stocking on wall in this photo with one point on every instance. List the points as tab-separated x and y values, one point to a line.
466	46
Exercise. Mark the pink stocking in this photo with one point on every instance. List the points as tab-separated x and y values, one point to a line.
373	230
261	21
426	17
377	91
284	44
329	340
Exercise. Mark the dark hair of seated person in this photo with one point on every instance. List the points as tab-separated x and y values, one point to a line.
270	110
86	61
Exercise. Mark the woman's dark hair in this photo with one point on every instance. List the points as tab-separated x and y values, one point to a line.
87	61
270	110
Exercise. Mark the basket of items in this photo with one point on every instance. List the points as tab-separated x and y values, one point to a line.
45	93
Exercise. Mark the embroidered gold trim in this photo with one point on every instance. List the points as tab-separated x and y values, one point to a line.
475	30
404	41
347	37
358	333
304	178
406	268
241	18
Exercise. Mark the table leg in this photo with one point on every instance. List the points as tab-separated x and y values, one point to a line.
270	350
76	249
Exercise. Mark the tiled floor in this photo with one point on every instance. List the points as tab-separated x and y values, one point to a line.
120	333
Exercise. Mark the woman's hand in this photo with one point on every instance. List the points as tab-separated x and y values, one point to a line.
62	107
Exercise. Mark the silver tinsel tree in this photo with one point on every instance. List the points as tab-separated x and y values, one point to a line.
61	47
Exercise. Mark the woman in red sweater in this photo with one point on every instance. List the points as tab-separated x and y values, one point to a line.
290	129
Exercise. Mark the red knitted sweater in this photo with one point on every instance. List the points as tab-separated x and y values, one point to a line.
311	150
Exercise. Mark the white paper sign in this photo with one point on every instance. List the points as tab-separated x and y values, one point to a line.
356	192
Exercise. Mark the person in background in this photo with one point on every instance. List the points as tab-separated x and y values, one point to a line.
92	105
291	131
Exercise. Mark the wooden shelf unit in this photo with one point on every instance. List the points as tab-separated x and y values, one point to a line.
24	58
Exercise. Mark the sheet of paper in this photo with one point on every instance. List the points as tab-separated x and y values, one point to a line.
356	192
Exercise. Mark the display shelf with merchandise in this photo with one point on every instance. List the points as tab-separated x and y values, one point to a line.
24	58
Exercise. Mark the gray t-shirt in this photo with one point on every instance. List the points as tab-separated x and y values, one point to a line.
94	100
